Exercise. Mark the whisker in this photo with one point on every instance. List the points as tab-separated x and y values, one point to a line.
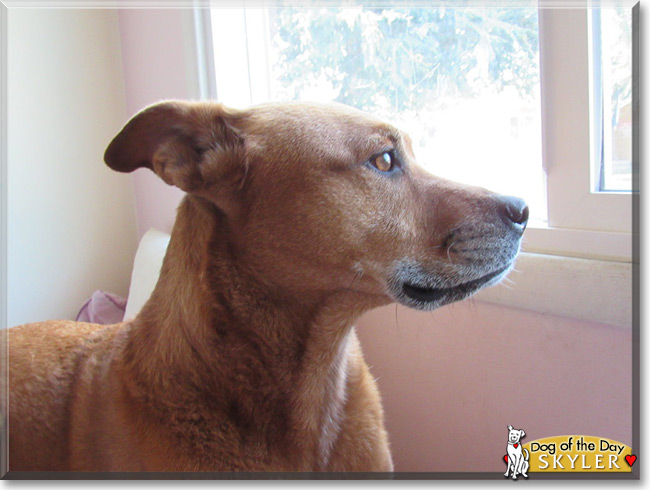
449	252
470	303
396	319
398	330
356	277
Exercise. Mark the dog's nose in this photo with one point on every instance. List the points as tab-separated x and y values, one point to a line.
514	210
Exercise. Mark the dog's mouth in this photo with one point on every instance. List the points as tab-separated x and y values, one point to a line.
435	294
426	298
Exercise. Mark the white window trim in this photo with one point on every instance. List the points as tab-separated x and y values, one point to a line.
566	131
587	250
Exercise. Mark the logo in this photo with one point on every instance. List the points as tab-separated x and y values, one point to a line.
577	454
517	457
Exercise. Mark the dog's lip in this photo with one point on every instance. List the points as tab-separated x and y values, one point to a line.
432	295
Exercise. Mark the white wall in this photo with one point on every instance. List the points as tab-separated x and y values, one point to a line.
71	221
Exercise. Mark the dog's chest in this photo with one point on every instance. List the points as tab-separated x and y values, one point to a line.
333	407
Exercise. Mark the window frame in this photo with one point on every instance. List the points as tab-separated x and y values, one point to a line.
570	123
581	223
601	86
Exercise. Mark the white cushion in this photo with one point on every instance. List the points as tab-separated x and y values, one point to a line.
146	269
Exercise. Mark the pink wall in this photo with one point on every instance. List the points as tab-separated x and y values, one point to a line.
454	379
154	60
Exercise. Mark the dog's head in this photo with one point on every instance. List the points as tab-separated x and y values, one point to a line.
324	198
515	435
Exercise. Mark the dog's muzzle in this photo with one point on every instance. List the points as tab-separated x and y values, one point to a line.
476	256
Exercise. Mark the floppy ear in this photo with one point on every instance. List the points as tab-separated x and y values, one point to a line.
522	434
188	144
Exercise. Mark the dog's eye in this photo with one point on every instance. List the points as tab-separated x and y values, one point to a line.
384	162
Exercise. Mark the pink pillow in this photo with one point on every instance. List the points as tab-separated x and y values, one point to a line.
104	308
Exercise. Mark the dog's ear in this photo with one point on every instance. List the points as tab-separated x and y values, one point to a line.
190	145
522	434
510	427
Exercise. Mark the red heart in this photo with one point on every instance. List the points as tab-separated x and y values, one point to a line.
630	458
505	458
516	445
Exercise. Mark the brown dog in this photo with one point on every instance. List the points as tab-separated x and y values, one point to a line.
298	219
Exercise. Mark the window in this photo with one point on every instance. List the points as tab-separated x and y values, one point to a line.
580	221
611	31
495	97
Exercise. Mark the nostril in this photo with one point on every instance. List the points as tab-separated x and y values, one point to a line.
524	216
517	215
514	209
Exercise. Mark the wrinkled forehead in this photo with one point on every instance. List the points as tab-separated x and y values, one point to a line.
321	130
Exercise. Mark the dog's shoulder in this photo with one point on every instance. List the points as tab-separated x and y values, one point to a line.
41	347
44	363
45	357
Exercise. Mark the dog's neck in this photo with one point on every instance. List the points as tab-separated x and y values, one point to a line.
228	336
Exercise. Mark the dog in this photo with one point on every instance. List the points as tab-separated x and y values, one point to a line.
517	461
297	219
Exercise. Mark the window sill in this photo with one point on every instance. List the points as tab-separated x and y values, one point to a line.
586	244
586	289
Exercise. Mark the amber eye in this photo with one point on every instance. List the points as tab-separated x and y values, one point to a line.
383	162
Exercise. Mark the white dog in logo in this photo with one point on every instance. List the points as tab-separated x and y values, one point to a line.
516	459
